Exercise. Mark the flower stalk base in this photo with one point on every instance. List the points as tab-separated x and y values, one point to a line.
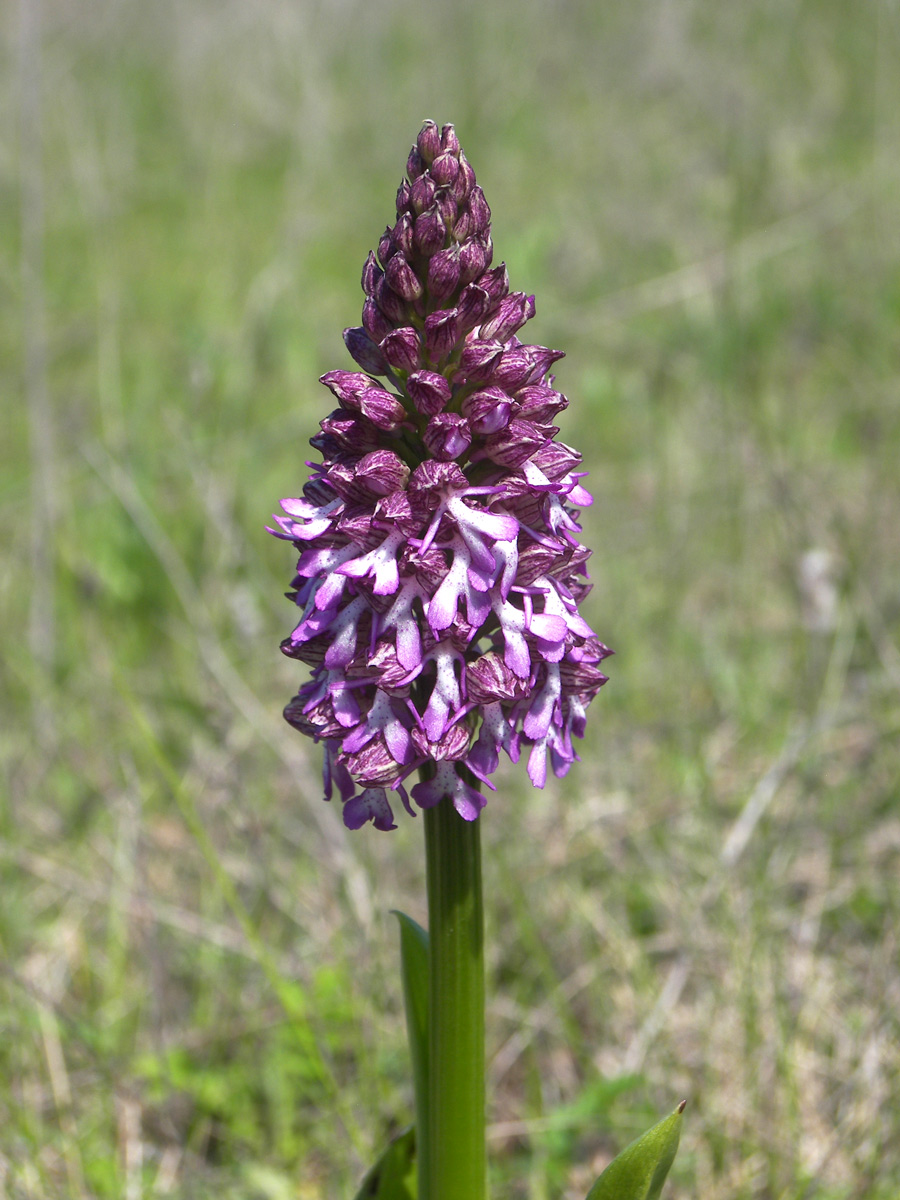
455	1157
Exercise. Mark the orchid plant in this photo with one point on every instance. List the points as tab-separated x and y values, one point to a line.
438	584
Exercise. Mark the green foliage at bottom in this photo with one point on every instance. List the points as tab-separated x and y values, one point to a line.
394	1175
640	1171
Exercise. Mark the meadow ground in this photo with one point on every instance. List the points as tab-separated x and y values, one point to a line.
198	988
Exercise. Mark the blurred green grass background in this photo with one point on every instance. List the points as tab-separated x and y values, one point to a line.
199	992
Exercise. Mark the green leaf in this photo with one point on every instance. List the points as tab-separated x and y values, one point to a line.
394	1175
640	1171
414	967
414	970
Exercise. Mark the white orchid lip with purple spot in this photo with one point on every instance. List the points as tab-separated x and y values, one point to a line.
440	570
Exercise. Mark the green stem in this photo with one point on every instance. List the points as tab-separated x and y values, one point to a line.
455	1157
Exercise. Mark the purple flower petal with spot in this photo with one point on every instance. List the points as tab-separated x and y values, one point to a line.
371	805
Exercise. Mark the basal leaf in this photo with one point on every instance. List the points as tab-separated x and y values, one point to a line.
394	1175
640	1171
414	969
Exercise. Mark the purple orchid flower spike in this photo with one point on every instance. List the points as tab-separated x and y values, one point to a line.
440	570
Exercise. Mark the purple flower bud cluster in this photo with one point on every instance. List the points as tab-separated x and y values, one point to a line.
440	569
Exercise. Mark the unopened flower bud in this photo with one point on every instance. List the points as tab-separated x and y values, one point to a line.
487	411
444	169
429	233
495	283
443	273
537	402
465	179
402	348
542	359
392	306
479	359
382	408
449	140
403	235
515	444
514	311
374	321
446	206
440	334
349	431
474	304
514	368
430	392
381	472
371	273
402	279
447	436
414	165
364	351
346	386
556	460
404	193
479	212
462	226
428	143
386	247
471	262
422	194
